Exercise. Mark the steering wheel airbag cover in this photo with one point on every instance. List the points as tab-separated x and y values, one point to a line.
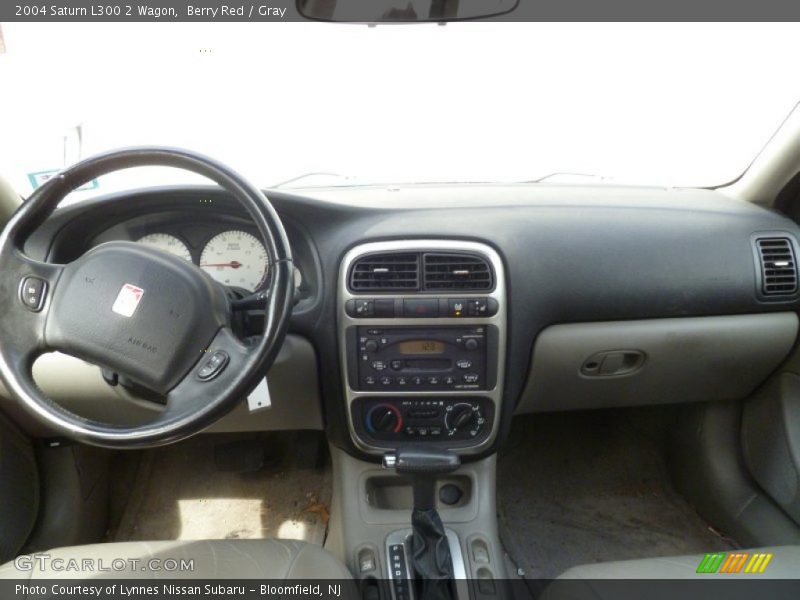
176	311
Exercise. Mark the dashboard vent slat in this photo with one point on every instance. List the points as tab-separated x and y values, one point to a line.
386	272
778	266
464	272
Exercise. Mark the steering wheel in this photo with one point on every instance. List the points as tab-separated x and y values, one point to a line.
138	311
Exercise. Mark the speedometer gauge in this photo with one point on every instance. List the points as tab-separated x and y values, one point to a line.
167	243
235	258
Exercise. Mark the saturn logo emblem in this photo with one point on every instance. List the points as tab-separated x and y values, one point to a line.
128	300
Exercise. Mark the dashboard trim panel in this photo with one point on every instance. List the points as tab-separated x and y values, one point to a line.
499	320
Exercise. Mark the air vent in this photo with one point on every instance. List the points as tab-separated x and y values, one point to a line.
387	272
465	272
778	266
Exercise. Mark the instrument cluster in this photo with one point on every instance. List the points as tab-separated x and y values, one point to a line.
233	257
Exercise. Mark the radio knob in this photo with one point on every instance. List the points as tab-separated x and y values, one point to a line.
461	418
384	418
471	344
371	346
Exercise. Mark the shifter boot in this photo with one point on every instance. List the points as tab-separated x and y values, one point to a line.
430	556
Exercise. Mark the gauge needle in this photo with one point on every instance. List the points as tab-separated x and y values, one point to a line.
234	264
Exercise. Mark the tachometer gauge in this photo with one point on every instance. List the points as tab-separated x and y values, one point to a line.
235	258
167	243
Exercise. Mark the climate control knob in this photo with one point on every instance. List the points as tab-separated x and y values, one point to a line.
463	417
384	418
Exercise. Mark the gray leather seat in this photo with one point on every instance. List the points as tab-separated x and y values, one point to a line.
214	559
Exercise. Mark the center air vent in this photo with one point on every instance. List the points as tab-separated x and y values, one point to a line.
465	272
778	266
386	272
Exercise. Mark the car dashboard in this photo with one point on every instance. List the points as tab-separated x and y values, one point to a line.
597	296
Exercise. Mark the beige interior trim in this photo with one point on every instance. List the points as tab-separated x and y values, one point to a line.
9	201
79	387
774	166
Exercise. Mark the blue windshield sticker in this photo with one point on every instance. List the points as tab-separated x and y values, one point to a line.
40	177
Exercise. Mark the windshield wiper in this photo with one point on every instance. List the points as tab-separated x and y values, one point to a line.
306	176
568	174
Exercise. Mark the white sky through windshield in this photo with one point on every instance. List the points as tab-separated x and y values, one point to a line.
675	104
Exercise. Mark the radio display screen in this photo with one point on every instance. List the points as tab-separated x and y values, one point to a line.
421	347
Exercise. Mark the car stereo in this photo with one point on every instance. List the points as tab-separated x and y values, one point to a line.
421	358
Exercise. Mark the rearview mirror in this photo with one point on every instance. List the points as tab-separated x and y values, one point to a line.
402	11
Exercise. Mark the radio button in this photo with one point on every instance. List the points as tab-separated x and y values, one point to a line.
402	380
378	365
386	380
471	378
371	346
416	380
450	380
433	380
471	344
464	364
396	365
369	380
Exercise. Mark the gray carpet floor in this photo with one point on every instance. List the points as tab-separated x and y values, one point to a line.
579	488
178	493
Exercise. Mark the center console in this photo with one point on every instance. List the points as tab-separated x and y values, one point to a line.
422	330
422	337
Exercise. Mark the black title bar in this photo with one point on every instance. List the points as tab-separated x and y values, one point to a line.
286	10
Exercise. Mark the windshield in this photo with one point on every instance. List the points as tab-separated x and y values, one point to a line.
321	104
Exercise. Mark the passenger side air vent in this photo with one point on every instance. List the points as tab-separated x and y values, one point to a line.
389	272
778	266
464	272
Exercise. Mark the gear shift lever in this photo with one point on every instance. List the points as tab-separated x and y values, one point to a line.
430	551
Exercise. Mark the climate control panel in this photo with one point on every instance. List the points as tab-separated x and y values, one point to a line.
453	421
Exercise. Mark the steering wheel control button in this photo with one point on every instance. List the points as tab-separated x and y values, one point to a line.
213	365
32	293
